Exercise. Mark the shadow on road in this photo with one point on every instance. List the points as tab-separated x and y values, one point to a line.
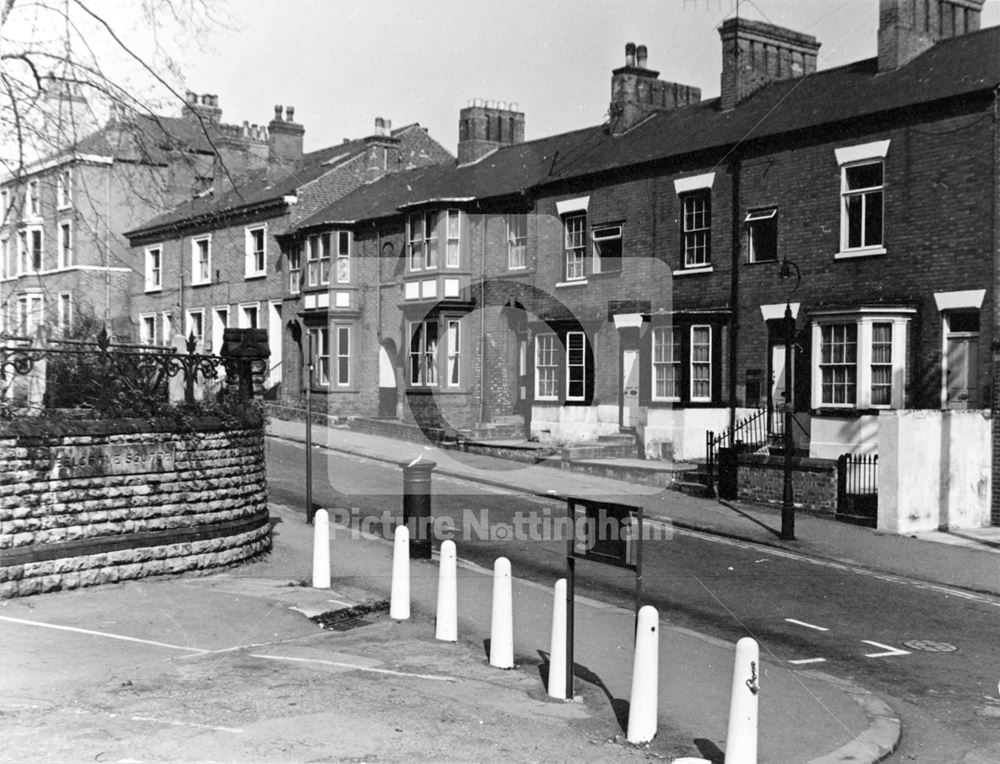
618	706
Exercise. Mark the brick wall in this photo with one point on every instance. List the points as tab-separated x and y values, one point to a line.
88	503
814	481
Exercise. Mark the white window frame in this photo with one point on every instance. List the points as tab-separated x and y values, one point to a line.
453	238
219	326
147	321
675	342
517	241
64	257
575	246
693	362
415	242
550	350
343	267
318	259
192	317
7	267
33	200
30	313
753	221
64	308
342	352
432	219
607	233
295	268
64	189
856	156
864	320
244	314
201	271
26	251
427	359
166	327
696	253
153	270
319	337
581	365
453	341
255	261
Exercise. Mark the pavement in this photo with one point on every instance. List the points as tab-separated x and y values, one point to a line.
229	666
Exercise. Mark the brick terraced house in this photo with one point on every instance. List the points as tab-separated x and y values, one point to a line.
632	277
213	261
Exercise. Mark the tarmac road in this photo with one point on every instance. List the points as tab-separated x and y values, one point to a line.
931	652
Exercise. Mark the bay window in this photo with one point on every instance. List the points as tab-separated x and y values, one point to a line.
701	363
423	353
546	366
666	383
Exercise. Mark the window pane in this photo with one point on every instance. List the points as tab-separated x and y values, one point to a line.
864	176
854	220
873	219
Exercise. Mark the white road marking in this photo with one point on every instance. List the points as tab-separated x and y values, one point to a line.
807	625
105	634
353	667
889	650
173	723
803	661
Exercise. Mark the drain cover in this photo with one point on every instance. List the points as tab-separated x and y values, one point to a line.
929	646
349	618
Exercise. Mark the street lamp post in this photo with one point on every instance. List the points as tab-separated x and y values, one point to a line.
787	498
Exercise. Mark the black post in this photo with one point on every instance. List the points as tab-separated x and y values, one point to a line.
417	507
787	505
309	438
570	618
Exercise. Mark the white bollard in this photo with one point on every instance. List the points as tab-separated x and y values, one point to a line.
557	647
447	605
645	677
502	623
321	549
741	738
399	598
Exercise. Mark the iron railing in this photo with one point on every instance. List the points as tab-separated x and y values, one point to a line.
857	488
108	379
748	434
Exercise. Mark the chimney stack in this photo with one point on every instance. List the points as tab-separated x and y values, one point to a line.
485	126
206	106
284	136
382	151
906	28
755	54
636	91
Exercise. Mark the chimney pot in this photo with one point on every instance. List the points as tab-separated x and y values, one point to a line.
192	97
630	54
277	113
289	113
640	56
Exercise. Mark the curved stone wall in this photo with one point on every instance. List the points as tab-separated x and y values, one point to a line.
93	502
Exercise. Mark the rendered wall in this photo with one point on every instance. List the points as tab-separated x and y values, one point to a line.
934	470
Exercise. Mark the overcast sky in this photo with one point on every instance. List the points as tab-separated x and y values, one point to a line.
341	63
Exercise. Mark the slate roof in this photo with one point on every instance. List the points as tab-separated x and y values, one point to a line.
952	69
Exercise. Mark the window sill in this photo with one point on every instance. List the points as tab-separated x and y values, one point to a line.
606	275
251	276
763	262
693	271
201	283
572	283
847	254
154	290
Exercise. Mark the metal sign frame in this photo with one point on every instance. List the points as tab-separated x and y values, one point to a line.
625	551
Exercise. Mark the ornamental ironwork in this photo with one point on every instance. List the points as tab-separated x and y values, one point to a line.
114	379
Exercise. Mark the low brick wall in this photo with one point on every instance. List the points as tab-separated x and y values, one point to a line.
814	481
93	502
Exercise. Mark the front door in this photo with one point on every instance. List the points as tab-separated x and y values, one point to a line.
962	371
630	388
777	401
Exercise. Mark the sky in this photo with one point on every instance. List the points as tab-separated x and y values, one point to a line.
342	63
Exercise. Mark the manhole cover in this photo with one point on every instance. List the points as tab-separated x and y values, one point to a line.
351	617
929	646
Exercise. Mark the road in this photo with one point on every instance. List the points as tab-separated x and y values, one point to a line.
931	652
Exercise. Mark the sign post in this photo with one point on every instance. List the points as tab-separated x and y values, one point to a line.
604	532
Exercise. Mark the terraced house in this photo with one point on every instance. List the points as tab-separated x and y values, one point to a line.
213	261
62	252
632	278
